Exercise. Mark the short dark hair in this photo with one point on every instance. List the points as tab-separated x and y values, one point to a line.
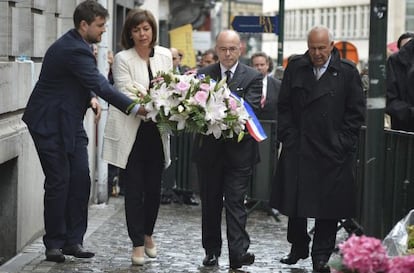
88	11
404	36
133	19
259	54
212	52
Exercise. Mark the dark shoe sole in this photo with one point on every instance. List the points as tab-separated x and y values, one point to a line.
78	254
238	265
55	258
291	261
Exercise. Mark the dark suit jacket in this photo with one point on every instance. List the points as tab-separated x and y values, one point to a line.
246	83
269	111
68	80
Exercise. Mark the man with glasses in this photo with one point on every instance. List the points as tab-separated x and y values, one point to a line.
225	165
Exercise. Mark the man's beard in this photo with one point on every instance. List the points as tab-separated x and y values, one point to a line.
93	40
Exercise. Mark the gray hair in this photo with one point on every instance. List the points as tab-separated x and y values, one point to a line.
321	28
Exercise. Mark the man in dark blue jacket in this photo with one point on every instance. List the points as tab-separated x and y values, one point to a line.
67	85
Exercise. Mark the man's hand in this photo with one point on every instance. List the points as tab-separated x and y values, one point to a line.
96	108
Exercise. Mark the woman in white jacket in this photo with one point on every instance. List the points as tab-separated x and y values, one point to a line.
134	143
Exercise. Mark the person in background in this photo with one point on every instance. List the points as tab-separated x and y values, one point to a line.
68	84
271	66
321	109
208	57
140	151
271	87
400	85
177	57
225	166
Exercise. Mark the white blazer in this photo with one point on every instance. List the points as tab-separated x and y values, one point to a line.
120	129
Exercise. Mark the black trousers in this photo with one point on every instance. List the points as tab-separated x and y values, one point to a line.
67	188
323	240
224	186
142	180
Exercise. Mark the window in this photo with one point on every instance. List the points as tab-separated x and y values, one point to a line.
409	19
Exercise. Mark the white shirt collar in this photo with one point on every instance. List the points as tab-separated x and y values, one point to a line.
232	69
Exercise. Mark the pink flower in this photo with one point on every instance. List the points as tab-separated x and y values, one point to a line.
182	86
402	264
364	254
201	97
157	80
232	104
205	86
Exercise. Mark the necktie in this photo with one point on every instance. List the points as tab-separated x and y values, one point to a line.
318	72
263	101
228	76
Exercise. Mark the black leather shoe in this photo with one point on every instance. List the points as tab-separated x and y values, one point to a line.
77	251
210	260
294	256
245	259
190	200
165	199
321	267
55	255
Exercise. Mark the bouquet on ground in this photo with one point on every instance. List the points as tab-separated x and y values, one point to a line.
367	255
193	103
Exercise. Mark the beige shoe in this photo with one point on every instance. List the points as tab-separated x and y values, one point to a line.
137	260
151	252
137	257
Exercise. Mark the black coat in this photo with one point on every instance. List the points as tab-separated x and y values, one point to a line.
269	111
319	123
246	83
400	88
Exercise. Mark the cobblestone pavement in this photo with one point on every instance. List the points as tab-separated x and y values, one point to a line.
178	239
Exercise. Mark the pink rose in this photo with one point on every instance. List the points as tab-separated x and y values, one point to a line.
232	104
201	97
182	86
205	86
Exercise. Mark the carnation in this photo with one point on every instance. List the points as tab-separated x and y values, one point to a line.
364	254
401	264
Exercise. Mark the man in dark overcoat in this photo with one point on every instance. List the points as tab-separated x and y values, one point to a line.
400	85
321	109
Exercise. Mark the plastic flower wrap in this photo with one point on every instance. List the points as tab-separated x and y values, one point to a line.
193	103
400	240
362	255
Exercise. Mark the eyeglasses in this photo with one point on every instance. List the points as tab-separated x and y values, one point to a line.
224	50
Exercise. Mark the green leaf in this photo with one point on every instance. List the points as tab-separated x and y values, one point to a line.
240	136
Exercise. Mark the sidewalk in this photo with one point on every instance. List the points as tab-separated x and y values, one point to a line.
178	238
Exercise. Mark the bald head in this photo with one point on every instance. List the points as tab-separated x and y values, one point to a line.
175	56
320	45
228	47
